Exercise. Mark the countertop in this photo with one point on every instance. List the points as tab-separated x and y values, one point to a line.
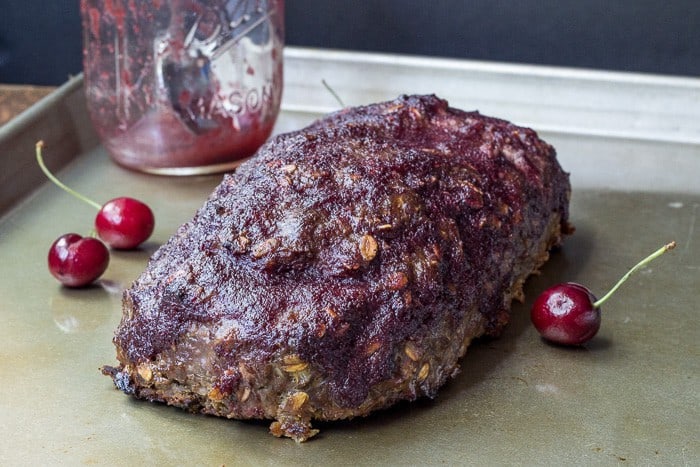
15	98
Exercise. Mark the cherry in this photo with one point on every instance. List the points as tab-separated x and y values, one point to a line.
566	314
77	261
123	223
569	313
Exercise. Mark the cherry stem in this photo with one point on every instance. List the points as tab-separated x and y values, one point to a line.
335	94
639	265
47	172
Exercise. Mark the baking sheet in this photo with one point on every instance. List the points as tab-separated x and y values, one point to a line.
630	396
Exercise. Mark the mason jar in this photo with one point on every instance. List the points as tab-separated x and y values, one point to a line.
182	87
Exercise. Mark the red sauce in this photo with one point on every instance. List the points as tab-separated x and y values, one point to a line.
160	140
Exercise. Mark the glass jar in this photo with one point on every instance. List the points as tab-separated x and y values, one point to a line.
182	87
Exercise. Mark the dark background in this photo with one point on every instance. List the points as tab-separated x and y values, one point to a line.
40	41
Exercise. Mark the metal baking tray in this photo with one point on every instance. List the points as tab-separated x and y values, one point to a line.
632	145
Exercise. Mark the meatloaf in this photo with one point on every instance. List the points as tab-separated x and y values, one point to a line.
345	267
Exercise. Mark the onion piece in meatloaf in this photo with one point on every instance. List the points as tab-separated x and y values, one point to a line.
345	267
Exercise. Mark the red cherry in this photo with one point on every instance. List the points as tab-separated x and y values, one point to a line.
569	313
124	223
565	314
77	261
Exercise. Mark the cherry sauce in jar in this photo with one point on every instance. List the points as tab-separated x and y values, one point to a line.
183	87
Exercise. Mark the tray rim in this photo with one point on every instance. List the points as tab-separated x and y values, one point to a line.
510	68
294	54
597	102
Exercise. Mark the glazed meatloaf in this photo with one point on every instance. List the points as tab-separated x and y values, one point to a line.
345	267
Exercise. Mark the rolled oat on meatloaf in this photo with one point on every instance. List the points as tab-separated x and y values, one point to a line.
345	267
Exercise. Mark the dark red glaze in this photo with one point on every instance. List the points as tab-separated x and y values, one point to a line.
564	314
77	261
455	202
124	223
